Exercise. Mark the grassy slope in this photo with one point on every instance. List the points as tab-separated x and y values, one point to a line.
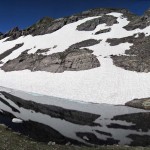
13	141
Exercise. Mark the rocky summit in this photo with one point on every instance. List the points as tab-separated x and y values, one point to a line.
99	55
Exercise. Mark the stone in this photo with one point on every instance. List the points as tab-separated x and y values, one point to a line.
143	103
90	25
69	60
103	31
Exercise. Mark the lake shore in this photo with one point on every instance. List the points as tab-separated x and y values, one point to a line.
10	140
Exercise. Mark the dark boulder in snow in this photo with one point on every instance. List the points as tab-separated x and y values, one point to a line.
103	31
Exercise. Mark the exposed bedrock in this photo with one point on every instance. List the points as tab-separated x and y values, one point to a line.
103	31
139	22
72	59
90	25
133	63
138	56
8	52
143	103
49	25
85	43
130	39
69	60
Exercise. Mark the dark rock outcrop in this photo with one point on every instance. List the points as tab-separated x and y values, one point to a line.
69	60
8	52
139	22
138	56
90	25
39	27
133	63
13	34
86	43
103	31
143	103
129	39
1	33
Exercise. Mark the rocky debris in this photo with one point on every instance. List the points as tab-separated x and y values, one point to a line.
8	52
103	31
143	103
86	43
90	25
69	60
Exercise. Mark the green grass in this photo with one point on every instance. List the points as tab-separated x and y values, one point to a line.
14	141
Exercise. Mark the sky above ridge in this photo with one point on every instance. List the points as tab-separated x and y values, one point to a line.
23	13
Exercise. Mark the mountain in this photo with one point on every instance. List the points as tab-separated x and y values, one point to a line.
98	56
67	80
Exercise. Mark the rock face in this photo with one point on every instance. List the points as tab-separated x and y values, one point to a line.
92	24
72	59
143	103
138	56
36	29
103	31
85	43
139	22
8	52
69	60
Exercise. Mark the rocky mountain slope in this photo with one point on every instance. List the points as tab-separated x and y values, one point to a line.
99	55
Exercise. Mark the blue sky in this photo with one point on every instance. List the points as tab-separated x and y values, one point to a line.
23	13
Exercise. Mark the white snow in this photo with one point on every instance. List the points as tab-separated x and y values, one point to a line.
106	84
16	120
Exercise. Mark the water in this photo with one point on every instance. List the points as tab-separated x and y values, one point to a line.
53	119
